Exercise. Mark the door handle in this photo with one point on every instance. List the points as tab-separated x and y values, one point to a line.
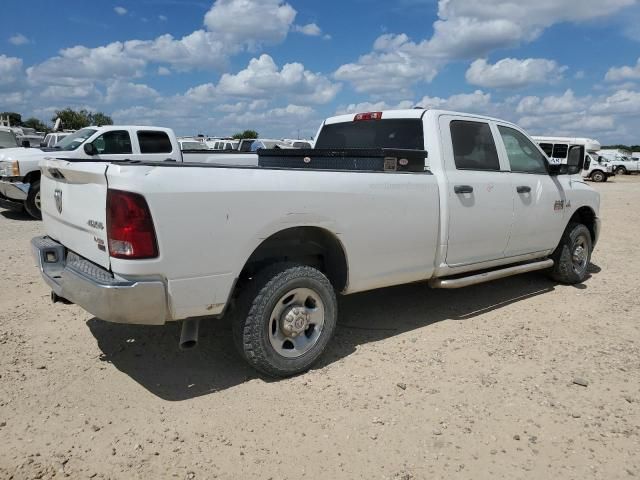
463	189
523	189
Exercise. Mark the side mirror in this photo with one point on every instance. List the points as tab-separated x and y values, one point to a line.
555	169
26	144
90	149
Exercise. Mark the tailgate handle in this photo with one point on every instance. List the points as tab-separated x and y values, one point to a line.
463	189
523	189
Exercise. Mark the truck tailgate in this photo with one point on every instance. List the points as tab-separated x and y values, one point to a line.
74	198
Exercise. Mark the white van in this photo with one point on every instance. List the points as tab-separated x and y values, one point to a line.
596	167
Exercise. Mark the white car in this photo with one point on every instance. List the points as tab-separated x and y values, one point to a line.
386	198
51	139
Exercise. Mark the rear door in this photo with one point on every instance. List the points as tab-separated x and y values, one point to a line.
74	198
480	196
539	198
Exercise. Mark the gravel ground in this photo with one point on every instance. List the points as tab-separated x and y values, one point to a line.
520	378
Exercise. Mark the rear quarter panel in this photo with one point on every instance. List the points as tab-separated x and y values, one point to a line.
209	221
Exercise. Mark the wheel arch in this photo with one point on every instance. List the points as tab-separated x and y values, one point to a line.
308	245
586	216
33	176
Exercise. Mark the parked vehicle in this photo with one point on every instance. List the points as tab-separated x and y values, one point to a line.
271	244
8	138
621	160
267	143
557	149
190	145
20	170
222	144
298	143
51	139
245	144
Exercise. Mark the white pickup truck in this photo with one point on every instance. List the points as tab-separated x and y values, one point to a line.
20	167
384	198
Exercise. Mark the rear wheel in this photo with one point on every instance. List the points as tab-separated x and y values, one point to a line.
285	319
598	176
621	171
573	255
33	204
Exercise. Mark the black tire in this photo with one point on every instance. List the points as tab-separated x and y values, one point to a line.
621	171
567	268
252	320
598	176
31	203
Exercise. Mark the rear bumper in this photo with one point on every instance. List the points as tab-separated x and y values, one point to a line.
96	289
14	190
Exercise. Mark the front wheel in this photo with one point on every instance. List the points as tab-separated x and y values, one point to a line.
621	171
285	319
33	204
598	176
573	254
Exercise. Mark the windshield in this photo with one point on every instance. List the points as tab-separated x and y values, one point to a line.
8	140
74	140
393	133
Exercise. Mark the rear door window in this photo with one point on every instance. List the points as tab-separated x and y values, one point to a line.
473	146
154	142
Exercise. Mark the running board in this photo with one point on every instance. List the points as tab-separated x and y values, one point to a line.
488	276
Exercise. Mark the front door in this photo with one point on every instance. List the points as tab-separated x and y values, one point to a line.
479	197
540	201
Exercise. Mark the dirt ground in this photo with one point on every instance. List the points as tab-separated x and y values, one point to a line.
417	384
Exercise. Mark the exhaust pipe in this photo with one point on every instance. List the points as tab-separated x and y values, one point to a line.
55	298
189	333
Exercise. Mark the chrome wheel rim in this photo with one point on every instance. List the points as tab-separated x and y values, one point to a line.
580	254
37	201
296	322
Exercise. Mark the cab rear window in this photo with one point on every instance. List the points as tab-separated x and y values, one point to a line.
391	133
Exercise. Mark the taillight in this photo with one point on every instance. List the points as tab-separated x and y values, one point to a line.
367	116
129	226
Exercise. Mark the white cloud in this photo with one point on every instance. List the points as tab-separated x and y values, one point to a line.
310	29
79	92
624	102
120	10
120	90
163	71
476	102
77	64
514	73
19	39
465	30
10	69
393	66
162	18
262	78
230	30
567	102
373	107
250	22
619	74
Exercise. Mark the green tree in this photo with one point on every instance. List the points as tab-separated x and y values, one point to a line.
35	123
99	119
14	118
75	120
246	134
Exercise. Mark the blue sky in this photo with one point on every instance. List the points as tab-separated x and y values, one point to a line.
280	67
